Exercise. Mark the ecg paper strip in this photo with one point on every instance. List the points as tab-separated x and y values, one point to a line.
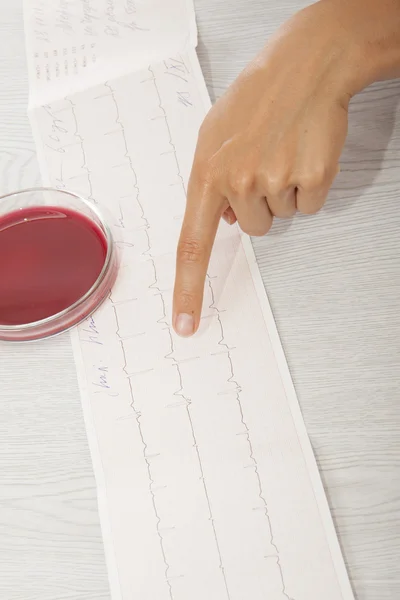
74	44
207	484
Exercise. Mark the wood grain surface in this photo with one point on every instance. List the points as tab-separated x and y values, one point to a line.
334	284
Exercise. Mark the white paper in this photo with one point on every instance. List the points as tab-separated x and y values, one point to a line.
208	488
74	44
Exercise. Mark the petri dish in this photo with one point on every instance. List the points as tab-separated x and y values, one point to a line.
58	262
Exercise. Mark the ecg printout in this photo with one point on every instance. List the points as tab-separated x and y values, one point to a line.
207	485
73	44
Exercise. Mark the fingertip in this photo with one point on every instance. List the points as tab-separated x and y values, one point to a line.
186	311
184	325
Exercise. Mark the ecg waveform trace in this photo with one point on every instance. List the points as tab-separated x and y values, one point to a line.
198	446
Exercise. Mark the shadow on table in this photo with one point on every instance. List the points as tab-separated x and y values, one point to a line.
372	149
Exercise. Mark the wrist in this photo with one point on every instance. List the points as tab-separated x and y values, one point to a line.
369	33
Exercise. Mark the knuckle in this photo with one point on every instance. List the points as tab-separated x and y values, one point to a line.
275	181
190	251
313	179
240	182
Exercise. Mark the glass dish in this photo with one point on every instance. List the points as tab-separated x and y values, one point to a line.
85	305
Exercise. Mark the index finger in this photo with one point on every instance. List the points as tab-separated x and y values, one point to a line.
203	212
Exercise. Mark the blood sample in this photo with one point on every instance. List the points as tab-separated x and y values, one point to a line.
50	257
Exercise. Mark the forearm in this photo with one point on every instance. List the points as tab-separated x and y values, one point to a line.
372	31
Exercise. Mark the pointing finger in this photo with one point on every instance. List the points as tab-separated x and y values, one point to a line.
203	212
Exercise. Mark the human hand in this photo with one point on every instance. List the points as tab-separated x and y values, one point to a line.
271	145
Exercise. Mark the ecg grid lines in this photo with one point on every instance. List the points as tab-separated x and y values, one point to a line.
77	164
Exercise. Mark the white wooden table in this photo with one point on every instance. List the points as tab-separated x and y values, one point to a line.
334	284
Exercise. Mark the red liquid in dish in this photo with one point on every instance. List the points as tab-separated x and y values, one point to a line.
49	258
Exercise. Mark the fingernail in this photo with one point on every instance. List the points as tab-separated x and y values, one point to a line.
184	325
227	219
